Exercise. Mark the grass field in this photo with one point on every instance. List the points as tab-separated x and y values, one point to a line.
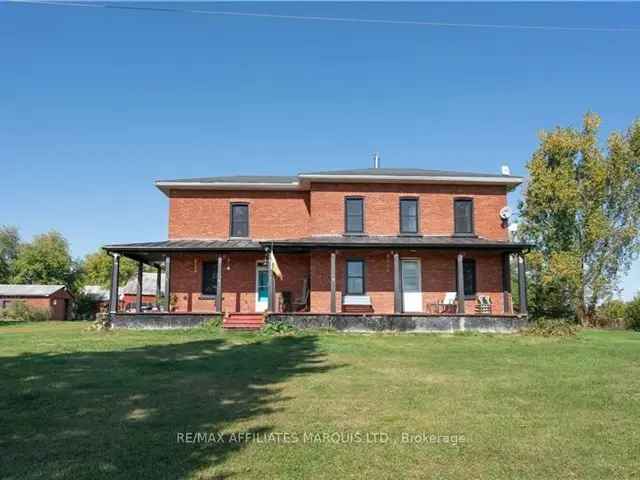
88	405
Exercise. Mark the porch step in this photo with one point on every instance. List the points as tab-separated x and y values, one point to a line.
357	309
243	321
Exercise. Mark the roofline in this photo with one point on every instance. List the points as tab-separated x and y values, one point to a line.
121	249
400	246
165	186
450	179
36	295
305	179
319	243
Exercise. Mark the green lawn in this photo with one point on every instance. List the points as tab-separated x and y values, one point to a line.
80	404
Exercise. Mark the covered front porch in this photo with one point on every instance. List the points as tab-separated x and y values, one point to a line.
425	276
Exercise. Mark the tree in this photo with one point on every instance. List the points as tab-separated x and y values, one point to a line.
9	242
632	312
97	269
46	260
582	211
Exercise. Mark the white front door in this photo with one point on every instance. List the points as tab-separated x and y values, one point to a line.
411	285
262	288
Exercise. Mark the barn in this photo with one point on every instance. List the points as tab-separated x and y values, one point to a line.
56	299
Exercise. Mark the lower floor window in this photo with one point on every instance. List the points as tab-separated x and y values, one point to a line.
210	278
355	277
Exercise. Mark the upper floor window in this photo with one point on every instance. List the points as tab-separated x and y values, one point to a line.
209	278
463	216
408	215
469	277
239	220
354	215
355	277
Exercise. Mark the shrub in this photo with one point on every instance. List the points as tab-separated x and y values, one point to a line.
213	323
552	327
633	313
278	328
20	311
611	314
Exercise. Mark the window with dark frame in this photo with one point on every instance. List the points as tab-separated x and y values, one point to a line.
239	220
209	278
355	277
463	216
469	276
354	215
408	215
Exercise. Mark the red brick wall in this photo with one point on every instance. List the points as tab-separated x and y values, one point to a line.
277	215
205	214
55	304
238	280
438	277
381	203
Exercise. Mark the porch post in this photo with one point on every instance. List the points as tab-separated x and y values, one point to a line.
397	284
522	283
167	283
219	286
139	297
333	282
115	278
460	289
506	282
269	282
158	285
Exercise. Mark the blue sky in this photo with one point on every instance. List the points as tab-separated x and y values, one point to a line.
96	104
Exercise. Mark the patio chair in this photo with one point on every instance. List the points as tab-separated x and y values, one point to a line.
302	302
449	304
484	304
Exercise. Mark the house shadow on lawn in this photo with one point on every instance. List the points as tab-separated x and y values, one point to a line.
118	414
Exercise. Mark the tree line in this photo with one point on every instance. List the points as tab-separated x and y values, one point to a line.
47	259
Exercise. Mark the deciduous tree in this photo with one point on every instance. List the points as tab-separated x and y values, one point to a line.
46	260
97	269
9	241
582	210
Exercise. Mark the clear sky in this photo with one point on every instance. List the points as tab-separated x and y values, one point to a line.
96	104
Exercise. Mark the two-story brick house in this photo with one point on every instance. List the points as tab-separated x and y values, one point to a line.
371	241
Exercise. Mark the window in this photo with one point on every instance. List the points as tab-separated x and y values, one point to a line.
408	215
354	215
209	278
239	220
469	275
463	216
355	277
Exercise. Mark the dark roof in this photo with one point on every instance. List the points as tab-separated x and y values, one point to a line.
303	180
404	172
189	245
236	179
29	290
154	252
364	241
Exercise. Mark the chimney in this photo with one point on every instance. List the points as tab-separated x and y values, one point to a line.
376	160
505	170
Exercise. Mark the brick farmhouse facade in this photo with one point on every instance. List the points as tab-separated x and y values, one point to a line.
371	241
